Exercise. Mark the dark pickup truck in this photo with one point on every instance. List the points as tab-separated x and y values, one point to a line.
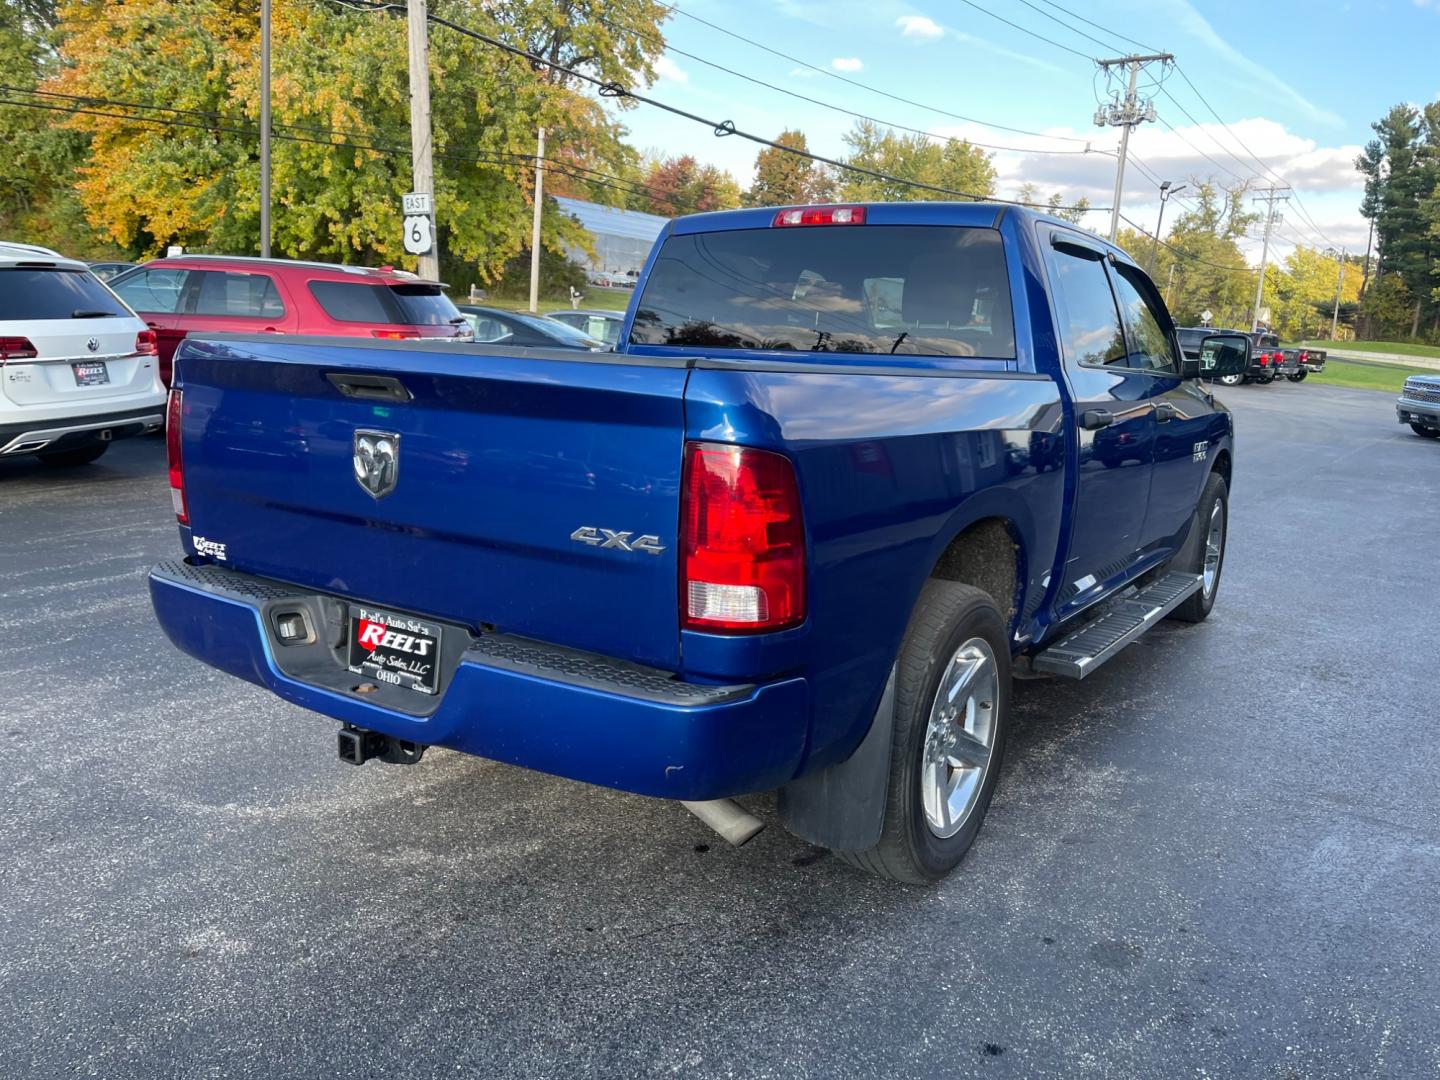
848	470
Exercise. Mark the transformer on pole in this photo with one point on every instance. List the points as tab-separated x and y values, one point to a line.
1126	114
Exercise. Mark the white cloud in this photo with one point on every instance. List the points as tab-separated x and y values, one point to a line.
1323	176
803	73
666	70
846	63
918	26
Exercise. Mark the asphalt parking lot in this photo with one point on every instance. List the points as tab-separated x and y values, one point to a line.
1218	857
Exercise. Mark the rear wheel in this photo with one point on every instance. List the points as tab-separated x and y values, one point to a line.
1425	432
81	455
1299	376
1231	380
1265	380
1204	550
952	702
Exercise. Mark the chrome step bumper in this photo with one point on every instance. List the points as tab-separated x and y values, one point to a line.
1080	653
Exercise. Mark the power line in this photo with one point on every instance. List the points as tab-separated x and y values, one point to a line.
662	43
674	9
1026	30
1107	45
719	128
1185	254
573	170
1097	26
1241	143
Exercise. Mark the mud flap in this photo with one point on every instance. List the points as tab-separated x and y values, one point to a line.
842	807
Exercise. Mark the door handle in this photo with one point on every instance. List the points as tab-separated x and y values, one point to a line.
153	325
1094	419
1165	412
369	387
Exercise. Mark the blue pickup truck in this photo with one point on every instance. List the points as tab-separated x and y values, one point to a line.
851	469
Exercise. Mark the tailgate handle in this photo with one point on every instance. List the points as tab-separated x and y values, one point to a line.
369	387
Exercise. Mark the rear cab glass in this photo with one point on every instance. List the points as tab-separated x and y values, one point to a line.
887	289
43	293
406	304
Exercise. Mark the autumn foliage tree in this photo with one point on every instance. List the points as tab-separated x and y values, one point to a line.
185	168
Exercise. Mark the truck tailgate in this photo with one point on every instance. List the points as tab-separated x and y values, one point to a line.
505	457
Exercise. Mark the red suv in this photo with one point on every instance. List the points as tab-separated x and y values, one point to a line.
192	294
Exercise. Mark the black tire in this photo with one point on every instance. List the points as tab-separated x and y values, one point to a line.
1230	380
948	616
1425	432
81	455
1190	559
1299	376
1265	380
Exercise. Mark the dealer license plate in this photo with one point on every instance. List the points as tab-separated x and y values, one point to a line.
90	373
400	650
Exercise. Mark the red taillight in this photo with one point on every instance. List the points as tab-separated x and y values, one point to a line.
822	215
16	348
145	344
173	412
395	335
1264	359
742	566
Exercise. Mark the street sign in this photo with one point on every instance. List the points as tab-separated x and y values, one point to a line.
418	202
1206	316
419	234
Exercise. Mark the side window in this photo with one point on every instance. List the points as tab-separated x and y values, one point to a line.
156	291
1151	348
246	295
488	329
1089	322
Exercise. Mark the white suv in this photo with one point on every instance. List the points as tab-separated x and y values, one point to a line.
77	367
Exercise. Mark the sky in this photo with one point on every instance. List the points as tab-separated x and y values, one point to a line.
1296	85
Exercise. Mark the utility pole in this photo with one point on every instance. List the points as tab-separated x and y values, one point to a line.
535	222
1339	287
264	129
1125	115
1272	217
1169	282
1165	192
421	148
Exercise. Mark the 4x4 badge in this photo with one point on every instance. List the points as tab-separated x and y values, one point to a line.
377	461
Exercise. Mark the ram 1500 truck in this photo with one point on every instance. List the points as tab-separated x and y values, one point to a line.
848	470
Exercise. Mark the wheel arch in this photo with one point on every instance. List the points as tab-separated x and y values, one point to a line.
1223	465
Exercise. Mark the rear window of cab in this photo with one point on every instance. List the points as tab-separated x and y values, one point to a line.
889	289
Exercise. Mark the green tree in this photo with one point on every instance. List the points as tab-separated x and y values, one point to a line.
1029	195
341	115
37	197
1200	265
951	164
784	179
1402	199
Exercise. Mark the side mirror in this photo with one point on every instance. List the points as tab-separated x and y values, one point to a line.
1223	354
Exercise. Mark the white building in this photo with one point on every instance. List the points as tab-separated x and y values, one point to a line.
623	238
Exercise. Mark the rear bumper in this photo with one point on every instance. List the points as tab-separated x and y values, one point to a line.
30	436
572	714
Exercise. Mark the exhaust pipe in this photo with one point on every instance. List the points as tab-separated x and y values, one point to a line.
728	818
